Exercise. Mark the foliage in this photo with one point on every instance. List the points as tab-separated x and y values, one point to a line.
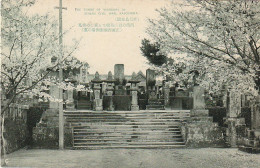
151	52
28	44
217	43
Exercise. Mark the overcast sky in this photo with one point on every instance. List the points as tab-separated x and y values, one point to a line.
104	49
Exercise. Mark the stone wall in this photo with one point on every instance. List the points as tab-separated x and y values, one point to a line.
15	129
203	133
46	132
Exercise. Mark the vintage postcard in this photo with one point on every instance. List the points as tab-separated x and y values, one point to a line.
130	83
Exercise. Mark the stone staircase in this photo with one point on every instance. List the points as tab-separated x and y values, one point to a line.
154	105
127	129
84	105
250	142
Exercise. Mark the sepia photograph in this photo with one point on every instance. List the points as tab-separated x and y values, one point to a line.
130	83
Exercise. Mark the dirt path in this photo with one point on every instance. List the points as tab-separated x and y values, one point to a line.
135	158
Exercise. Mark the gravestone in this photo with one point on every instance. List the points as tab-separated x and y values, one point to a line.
234	106
233	121
166	91
119	79
199	102
199	130
119	73
153	102
134	91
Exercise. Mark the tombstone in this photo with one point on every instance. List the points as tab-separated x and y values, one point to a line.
150	79
166	91
234	106
98	104
199	102
233	121
119	73
54	92
119	79
153	102
134	90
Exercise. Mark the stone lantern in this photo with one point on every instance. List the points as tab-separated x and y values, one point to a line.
110	89
110	84
98	105
134	90
70	105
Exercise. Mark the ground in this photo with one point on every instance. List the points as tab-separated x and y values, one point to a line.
135	158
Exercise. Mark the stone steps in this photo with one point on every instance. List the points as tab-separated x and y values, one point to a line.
129	147
251	141
126	129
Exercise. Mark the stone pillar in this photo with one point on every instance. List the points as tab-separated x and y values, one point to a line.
98	102
166	90
134	90
54	92
134	106
70	105
233	122
255	114
110	90
199	102
234	105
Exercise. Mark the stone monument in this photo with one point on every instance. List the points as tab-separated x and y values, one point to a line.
119	79
153	102
200	131
233	120
134	90
199	102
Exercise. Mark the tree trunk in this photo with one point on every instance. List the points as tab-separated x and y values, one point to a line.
3	160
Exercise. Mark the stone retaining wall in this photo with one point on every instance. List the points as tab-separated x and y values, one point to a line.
15	129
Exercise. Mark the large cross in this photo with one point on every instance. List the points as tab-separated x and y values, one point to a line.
61	118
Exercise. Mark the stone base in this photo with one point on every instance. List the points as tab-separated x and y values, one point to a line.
199	113
234	124
202	132
200	119
98	108
70	106
111	108
134	108
98	104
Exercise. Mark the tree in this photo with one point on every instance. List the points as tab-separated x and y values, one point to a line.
28	44
152	54
220	40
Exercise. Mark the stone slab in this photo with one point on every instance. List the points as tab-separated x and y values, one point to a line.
199	112
134	108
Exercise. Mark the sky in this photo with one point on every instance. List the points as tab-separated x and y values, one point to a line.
101	50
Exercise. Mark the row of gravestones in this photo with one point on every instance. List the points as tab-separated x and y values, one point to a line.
117	86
